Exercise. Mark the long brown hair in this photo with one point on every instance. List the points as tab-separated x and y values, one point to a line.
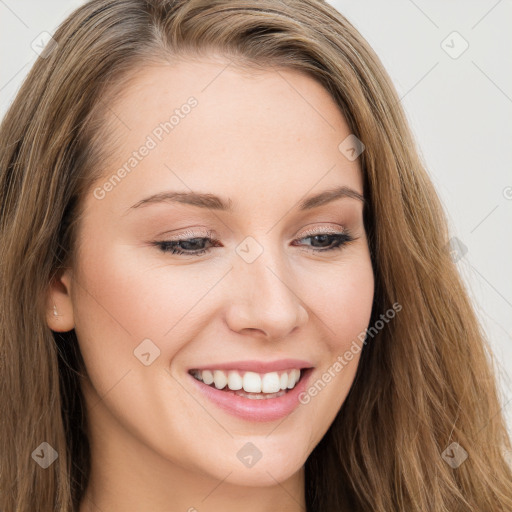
423	382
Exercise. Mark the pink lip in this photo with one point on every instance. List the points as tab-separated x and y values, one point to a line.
258	366
269	409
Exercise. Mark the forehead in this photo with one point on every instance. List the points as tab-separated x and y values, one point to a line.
213	126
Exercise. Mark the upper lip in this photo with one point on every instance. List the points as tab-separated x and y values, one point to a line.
258	366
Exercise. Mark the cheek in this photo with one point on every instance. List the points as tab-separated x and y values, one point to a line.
125	300
342	300
343	307
115	310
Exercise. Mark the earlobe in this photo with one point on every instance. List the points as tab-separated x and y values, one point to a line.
59	304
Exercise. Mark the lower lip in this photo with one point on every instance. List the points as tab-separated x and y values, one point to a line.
269	409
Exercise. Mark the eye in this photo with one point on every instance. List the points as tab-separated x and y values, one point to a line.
329	241
189	246
193	246
196	246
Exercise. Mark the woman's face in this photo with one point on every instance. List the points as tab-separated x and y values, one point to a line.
255	290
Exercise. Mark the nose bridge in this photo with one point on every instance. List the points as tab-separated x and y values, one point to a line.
266	298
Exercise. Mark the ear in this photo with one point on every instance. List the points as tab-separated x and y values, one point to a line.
59	305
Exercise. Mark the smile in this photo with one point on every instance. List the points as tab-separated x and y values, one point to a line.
252	396
250	384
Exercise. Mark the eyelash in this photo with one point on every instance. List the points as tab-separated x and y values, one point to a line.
170	246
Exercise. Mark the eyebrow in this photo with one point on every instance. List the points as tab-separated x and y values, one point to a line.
213	202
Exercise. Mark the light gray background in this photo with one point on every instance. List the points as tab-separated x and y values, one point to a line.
459	110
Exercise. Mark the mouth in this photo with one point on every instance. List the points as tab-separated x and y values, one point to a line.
251	385
252	396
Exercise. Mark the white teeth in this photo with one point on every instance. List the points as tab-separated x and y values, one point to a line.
250	382
291	380
270	383
234	381
293	377
207	376
220	379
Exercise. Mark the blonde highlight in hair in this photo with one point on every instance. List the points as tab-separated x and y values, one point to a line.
424	381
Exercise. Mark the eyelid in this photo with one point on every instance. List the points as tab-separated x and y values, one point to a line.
188	233
324	230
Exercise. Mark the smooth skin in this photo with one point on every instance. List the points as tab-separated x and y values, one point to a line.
266	141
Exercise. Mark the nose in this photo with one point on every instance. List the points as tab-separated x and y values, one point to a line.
263	298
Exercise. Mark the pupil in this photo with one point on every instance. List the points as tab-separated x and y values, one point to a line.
323	238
